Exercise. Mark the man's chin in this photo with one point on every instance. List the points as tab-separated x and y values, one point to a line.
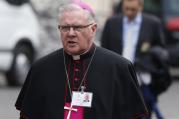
73	51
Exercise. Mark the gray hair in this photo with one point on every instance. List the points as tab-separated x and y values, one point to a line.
74	7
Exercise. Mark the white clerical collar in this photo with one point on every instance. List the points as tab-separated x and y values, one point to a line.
76	57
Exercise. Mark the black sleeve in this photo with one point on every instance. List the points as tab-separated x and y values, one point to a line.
136	102
128	97
29	101
23	92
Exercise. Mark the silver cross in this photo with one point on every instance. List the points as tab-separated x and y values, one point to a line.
70	109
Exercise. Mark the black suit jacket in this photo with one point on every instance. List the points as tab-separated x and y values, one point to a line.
150	33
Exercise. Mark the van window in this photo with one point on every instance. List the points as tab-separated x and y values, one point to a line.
17	2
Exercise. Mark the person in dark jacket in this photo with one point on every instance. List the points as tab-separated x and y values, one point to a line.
132	34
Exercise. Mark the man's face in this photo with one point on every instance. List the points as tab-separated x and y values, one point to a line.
79	37
131	8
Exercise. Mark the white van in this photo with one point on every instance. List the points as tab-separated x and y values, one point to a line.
19	39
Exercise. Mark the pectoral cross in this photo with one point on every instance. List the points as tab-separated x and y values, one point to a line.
70	109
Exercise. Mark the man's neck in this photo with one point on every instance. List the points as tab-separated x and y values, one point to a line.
77	55
136	19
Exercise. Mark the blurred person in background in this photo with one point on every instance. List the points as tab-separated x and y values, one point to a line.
132	34
103	84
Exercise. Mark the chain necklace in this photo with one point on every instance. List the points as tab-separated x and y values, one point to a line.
67	77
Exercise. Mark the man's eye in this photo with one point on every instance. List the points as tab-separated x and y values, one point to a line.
77	27
65	27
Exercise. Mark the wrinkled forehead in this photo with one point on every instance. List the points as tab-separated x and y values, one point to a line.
73	17
73	11
76	7
83	5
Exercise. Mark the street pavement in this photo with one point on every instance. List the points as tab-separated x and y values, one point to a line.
168	102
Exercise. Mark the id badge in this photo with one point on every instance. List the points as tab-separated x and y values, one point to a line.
82	99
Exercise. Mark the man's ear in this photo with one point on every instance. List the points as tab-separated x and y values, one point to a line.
94	28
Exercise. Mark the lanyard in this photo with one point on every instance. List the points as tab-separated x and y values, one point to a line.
67	77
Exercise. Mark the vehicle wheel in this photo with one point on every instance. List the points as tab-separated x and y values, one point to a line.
21	63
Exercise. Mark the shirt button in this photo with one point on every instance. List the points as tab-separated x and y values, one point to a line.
76	79
77	70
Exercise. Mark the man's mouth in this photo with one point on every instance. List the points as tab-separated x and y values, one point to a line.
72	42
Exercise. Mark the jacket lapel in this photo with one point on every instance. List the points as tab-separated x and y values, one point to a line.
141	36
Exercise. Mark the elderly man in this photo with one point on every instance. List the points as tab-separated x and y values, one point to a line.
81	80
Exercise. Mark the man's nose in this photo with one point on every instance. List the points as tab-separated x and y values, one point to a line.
71	31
